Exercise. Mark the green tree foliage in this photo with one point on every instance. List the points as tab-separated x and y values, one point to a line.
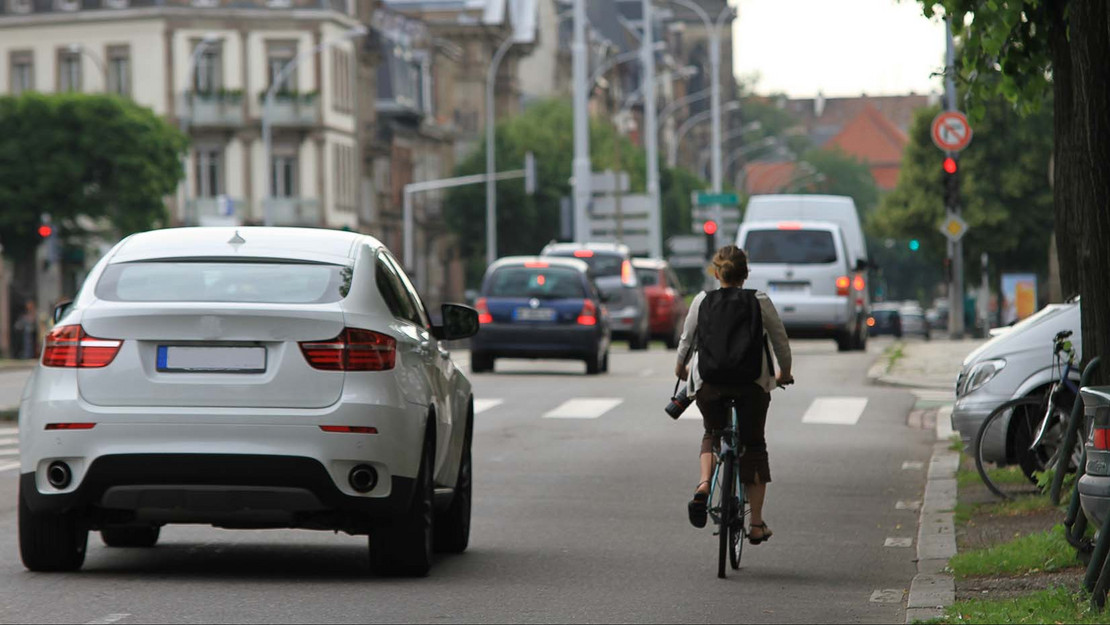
525	224
73	155
841	174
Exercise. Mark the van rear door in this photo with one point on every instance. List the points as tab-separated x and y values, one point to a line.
799	267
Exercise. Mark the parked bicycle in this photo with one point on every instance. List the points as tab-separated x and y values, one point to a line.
1023	436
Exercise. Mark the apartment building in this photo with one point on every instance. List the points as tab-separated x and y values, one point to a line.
206	64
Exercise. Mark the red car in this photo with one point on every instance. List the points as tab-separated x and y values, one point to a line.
666	300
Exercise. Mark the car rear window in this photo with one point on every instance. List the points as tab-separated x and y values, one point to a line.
222	281
793	247
601	264
540	282
648	277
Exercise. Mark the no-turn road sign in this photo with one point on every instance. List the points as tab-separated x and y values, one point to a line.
951	132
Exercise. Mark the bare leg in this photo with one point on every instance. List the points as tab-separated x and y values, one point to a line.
755	493
706	461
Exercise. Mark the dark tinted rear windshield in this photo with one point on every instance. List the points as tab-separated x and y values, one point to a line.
794	247
539	282
648	277
601	264
223	281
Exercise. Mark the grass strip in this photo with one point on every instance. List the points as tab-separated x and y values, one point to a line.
1044	551
1056	605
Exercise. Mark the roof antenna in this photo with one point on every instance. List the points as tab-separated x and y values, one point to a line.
237	240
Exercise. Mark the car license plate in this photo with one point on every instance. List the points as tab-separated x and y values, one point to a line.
534	314
190	359
789	287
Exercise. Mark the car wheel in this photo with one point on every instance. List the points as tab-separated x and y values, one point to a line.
640	341
843	342
406	546
146	536
593	365
452	527
51	541
481	362
605	362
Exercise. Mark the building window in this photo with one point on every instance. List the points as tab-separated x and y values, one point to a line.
209	172
21	71
209	71
279	4
20	6
283	175
119	70
67	5
278	55
69	70
206	3
346	179
117	4
342	88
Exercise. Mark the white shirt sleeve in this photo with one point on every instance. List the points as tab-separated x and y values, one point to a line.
686	343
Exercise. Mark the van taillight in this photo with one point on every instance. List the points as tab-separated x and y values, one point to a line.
483	311
859	284
588	316
353	350
70	346
842	285
627	277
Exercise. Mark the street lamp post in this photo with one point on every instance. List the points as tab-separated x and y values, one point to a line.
491	184
694	120
279	80
741	151
650	138
729	136
581	169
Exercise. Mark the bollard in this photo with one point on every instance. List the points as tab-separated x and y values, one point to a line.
1075	523
1074	420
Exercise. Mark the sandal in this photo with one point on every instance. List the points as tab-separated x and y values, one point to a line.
697	508
767	534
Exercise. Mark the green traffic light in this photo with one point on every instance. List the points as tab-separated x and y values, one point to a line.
914	245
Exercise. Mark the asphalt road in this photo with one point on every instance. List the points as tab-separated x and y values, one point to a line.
575	520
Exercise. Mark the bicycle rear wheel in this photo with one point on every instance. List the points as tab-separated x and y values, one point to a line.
1001	448
728	495
736	529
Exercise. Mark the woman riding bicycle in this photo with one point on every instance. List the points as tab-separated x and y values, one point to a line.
752	391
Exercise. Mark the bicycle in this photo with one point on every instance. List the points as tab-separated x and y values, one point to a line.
728	507
1028	432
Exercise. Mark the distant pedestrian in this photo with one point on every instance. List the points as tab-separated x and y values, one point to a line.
26	331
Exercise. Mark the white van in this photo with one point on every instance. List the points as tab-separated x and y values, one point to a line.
807	270
839	209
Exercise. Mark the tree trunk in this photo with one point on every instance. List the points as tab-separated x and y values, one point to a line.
1089	156
1065	132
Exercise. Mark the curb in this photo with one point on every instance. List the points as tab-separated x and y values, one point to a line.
933	589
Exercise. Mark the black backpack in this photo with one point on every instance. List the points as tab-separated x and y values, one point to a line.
730	337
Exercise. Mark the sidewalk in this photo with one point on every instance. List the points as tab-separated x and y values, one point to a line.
922	364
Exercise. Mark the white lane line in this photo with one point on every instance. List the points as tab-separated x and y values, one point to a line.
482	405
8	431
8	466
887	595
9	441
912	465
583	408
9	452
898	542
908	505
109	618
835	410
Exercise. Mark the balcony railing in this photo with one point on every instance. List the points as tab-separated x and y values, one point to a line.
215	211
294	109
221	108
292	211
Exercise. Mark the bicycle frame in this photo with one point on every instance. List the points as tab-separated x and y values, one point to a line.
730	443
1066	382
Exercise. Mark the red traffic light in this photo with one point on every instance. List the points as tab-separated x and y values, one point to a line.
709	227
950	165
45	230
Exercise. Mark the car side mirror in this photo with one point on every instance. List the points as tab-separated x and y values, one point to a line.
61	309
459	322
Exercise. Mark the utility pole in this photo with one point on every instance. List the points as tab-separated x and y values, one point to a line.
651	146
581	169
955	249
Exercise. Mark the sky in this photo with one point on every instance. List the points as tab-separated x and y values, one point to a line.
838	47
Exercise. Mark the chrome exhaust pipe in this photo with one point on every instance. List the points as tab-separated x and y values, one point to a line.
363	478
59	474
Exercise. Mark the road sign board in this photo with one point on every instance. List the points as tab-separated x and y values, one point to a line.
609	181
951	131
703	198
686	244
953	227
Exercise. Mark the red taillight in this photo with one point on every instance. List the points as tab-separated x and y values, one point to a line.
1102	439
353	350
70	426
588	316
842	284
349	429
627	276
536	264
70	346
858	283
789	225
583	253
871	322
483	311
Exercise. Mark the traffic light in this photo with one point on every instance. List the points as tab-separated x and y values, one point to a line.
951	183
710	229
915	245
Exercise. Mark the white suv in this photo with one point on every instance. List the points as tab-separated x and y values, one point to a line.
247	378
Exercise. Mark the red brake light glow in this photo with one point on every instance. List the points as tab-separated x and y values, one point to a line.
627	275
483	311
583	253
588	316
70	346
349	429
353	350
842	285
858	283
871	322
789	225
536	264
541	280
70	426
